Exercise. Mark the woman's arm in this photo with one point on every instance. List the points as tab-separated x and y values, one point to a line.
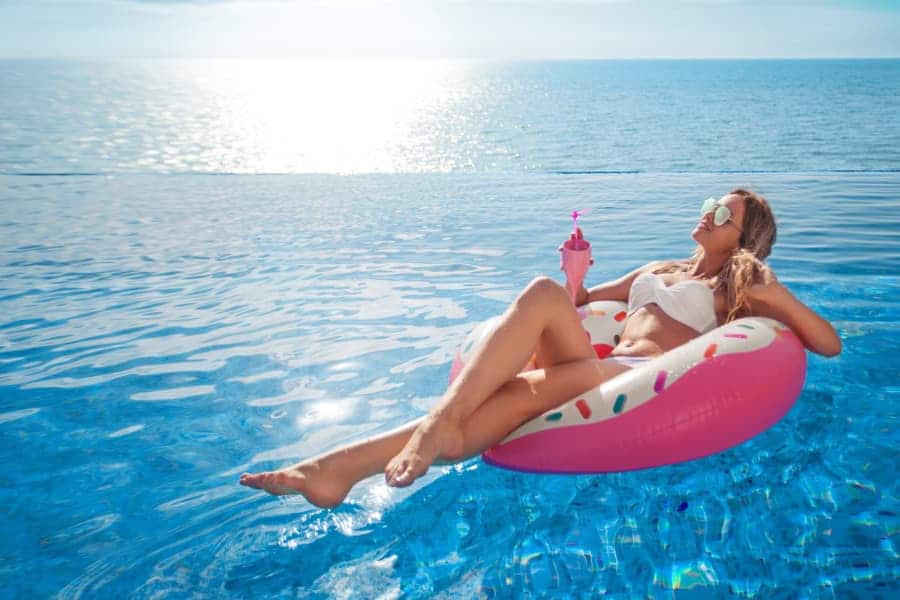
771	299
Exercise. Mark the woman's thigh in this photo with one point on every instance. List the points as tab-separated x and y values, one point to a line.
564	339
530	394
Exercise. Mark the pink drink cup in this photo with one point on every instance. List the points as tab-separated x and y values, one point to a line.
575	261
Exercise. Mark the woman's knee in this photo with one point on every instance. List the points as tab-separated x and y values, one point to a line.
544	289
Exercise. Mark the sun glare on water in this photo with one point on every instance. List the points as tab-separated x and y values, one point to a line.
334	116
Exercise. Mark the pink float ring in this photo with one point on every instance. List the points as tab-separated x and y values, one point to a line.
710	394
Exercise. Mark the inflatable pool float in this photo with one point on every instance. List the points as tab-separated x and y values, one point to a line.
710	394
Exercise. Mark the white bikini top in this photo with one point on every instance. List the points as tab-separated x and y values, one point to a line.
691	302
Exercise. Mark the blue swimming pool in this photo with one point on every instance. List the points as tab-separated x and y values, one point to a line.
208	267
160	334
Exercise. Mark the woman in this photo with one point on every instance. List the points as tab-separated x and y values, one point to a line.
669	304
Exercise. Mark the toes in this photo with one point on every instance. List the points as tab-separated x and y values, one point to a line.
272	482
405	478
393	470
392	466
392	476
250	480
401	471
405	475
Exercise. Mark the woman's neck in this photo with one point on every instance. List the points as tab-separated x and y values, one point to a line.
709	265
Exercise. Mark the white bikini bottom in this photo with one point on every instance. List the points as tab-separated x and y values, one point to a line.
630	361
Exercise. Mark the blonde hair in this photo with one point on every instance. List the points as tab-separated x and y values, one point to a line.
745	265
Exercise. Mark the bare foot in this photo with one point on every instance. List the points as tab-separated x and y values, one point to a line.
321	486
434	437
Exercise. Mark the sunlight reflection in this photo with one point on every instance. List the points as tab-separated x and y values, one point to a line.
343	116
323	412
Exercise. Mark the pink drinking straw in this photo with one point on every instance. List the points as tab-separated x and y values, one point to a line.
579	244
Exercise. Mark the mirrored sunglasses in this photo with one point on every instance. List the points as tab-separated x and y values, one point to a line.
722	214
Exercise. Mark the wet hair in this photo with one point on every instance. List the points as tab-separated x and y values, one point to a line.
745	265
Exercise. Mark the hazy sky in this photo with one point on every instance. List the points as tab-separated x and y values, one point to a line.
494	29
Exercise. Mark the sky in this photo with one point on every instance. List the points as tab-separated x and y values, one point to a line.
453	29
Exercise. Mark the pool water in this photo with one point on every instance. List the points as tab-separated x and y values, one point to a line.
162	333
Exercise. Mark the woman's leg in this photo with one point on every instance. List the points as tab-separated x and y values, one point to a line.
542	318
326	480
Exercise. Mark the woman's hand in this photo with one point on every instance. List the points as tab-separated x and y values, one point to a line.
581	294
769	291
773	300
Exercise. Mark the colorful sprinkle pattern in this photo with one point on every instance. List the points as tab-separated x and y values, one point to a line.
604	323
660	383
583	408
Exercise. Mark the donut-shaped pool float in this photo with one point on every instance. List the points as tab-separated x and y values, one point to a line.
705	396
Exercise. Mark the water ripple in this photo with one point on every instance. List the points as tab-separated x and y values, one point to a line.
181	330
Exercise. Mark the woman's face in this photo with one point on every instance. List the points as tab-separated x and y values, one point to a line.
724	237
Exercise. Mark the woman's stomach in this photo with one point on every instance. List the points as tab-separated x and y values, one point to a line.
649	331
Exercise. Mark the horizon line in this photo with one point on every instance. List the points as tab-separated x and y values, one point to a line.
450	58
